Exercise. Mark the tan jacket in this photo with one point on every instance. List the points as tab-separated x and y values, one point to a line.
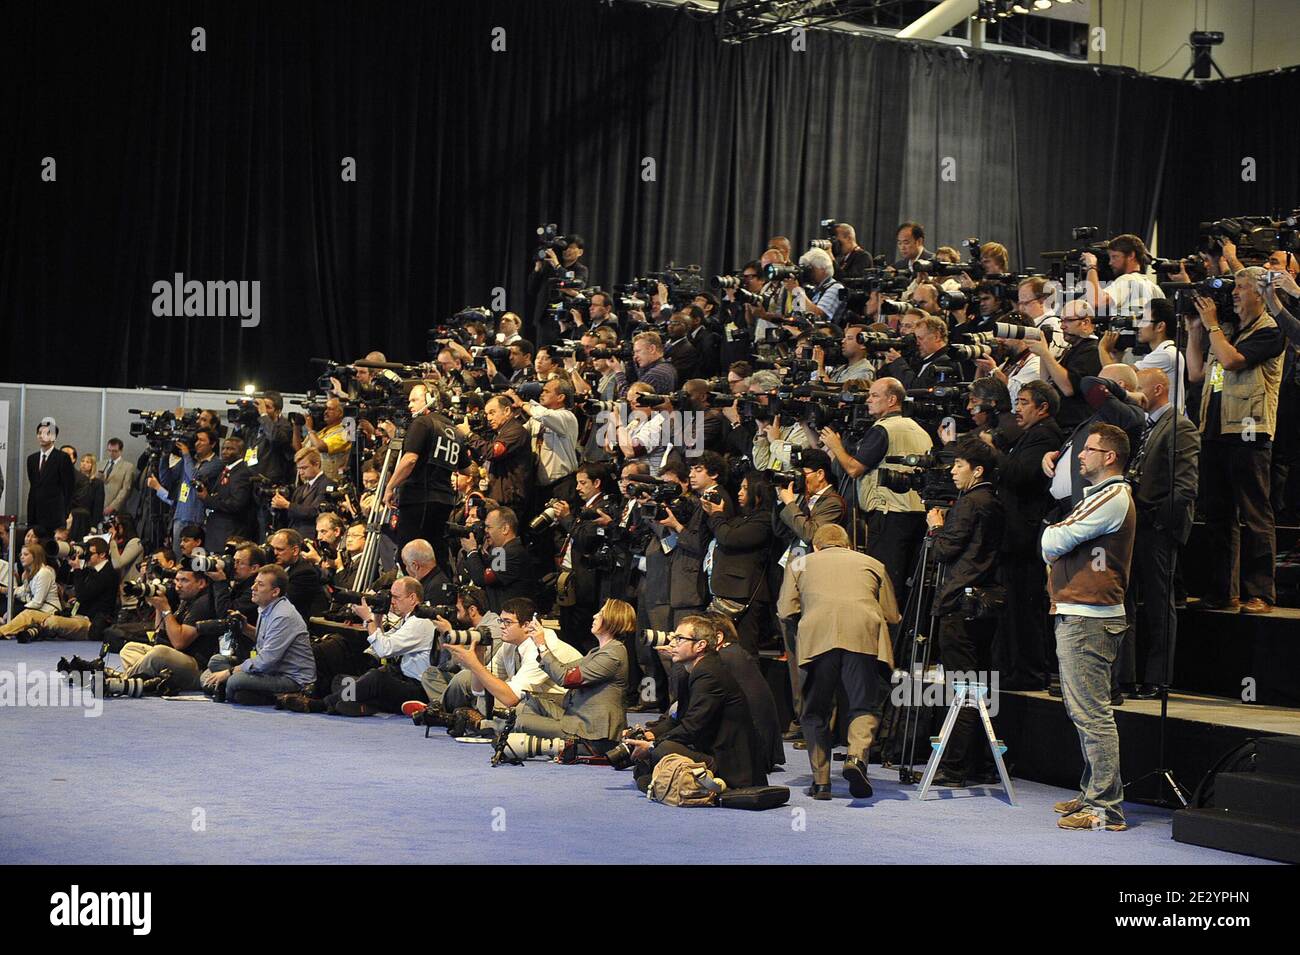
905	437
846	602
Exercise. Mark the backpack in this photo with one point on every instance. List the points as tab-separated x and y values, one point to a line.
674	783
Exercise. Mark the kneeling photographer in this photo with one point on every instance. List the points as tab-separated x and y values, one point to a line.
966	540
282	661
233	579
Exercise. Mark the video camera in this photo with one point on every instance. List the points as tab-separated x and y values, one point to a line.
1071	260
930	476
163	431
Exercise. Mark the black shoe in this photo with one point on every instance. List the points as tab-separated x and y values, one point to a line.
159	685
1117	699
1054	691
28	635
819	791
78	665
855	771
948	780
793	732
1147	691
642	706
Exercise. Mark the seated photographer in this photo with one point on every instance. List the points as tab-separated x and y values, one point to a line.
506	452
282	660
503	566
447	688
774	442
125	551
845	606
737	578
967	539
38	594
743	667
529	678
591	712
180	651
235	592
713	725
301	509
306	589
404	648
96	583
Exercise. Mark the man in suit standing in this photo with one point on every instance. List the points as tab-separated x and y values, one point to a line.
303	505
230	502
1164	520
503	567
845	605
51	480
118	475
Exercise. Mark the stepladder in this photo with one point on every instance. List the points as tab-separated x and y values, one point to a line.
975	696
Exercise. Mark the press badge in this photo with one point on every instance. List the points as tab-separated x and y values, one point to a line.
1216	378
184	496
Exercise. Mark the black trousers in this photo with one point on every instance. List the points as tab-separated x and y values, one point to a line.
893	540
822	677
1154	554
1019	646
384	688
966	646
337	655
1240	535
427	521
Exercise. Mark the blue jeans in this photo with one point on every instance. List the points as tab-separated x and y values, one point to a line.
1086	648
251	689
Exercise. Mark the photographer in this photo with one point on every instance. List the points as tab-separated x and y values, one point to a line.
548	271
1155	329
1034	297
644	435
967	540
125	551
932	364
301	509
404	648
1089	555
678	350
507	454
229	499
714	727
1281	293
591	712
851	259
704	315
503	567
274	450
1133	286
421	562
421	483
802	512
96	584
447	691
1021	365
651	366
738	579
325	552
331	441
181	651
661	601
824	299
857	362
910	241
1021	640
578	590
1113	397
304	588
282	661
989	406
236	591
184	473
845	605
895	520
553	428
1079	360
774	442
1242	373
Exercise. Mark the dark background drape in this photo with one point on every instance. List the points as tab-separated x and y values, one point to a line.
225	165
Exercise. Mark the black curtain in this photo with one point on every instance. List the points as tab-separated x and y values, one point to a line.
225	165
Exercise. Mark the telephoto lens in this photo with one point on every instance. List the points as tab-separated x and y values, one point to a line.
656	638
1015	332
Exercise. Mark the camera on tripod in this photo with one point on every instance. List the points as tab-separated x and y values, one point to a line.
928	474
163	431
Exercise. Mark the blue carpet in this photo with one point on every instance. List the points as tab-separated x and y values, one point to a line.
196	782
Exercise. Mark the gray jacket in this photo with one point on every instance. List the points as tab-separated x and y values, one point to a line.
593	705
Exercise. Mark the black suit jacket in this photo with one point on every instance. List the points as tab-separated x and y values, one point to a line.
50	489
762	704
1023	487
1155	507
717	723
708	345
968	543
508	456
505	575
683	356
306	590
853	264
96	591
740	556
230	508
304	506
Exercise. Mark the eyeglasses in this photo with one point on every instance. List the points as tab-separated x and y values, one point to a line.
678	638
1087	448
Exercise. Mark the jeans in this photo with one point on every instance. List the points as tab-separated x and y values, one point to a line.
250	689
1086	648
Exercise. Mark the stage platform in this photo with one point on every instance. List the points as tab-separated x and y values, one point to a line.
190	781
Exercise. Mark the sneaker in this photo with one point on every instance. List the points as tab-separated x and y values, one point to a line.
1083	820
855	771
1069	806
1256	605
411	707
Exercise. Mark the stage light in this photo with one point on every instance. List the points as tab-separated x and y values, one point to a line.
250	389
1019	8
1042	4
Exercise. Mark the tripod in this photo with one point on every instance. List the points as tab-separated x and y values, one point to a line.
1163	775
150	525
378	516
922	624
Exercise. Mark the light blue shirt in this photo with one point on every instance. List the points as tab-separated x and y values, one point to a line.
283	645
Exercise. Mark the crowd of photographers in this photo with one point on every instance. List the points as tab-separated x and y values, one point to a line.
676	474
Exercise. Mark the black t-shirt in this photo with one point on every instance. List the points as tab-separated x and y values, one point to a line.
1258	348
432	437
190	612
